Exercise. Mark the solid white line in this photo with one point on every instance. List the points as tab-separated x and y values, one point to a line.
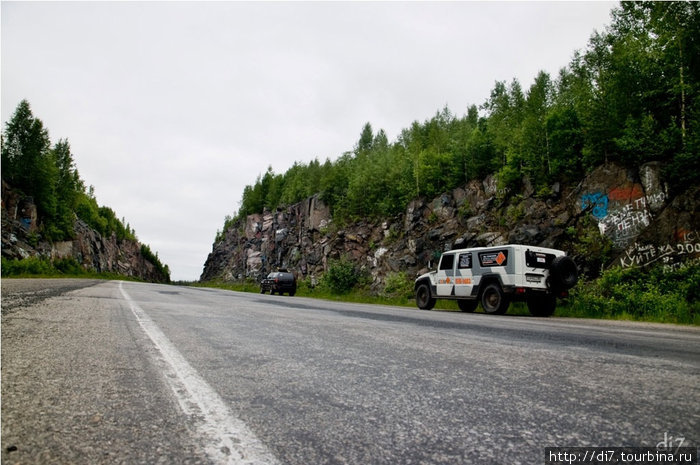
227	439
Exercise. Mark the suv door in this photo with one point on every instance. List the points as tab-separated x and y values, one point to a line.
464	282
446	275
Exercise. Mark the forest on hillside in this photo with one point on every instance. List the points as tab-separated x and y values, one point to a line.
48	174
630	97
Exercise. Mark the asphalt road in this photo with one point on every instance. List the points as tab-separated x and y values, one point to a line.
109	372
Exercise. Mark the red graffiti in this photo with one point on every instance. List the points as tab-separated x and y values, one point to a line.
626	193
680	234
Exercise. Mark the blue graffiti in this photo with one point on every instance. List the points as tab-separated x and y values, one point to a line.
599	203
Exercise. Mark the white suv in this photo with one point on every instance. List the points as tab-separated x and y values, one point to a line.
495	276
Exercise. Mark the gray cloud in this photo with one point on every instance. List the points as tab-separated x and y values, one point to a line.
172	108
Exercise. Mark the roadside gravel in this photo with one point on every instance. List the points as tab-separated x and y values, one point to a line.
17	293
78	383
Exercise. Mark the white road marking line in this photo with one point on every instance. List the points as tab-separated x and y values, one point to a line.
227	439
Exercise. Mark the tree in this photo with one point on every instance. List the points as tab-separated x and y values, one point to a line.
27	163
630	97
535	136
68	187
380	142
364	145
25	148
505	112
675	30
334	182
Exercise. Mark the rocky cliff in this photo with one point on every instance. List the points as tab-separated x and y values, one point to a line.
615	216
20	239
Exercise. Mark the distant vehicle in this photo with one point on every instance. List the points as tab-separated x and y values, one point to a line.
495	276
279	282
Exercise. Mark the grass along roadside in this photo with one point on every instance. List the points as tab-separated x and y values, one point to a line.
632	294
34	267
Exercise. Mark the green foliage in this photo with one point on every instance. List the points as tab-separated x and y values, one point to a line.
59	268
514	213
101	219
398	286
49	175
465	211
27	266
249	285
589	243
641	294
229	221
631	97
36	266
69	266
162	269
26	160
630	294
342	276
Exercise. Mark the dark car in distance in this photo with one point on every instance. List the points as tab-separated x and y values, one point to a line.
279	282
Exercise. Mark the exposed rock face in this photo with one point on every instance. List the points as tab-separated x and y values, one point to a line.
671	238
93	251
630	211
634	211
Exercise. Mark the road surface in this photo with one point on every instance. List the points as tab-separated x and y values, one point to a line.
117	372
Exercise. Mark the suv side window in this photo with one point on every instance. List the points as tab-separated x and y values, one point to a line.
465	261
447	262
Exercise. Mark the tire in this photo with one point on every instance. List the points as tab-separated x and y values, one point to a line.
291	293
542	305
262	291
467	306
493	300
424	299
564	273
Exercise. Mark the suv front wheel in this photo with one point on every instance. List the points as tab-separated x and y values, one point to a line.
423	298
493	300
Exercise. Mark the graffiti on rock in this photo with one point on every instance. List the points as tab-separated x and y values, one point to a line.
671	255
627	193
597	202
622	213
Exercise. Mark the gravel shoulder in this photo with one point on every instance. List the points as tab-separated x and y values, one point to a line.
18	293
78	382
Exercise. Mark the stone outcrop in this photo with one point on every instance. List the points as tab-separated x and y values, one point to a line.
635	212
616	216
20	239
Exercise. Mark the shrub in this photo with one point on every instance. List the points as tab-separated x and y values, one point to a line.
641	294
398	285
68	266
27	266
164	270
341	276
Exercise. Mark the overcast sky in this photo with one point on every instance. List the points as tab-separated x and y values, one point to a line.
171	108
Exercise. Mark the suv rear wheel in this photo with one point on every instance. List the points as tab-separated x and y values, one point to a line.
493	300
